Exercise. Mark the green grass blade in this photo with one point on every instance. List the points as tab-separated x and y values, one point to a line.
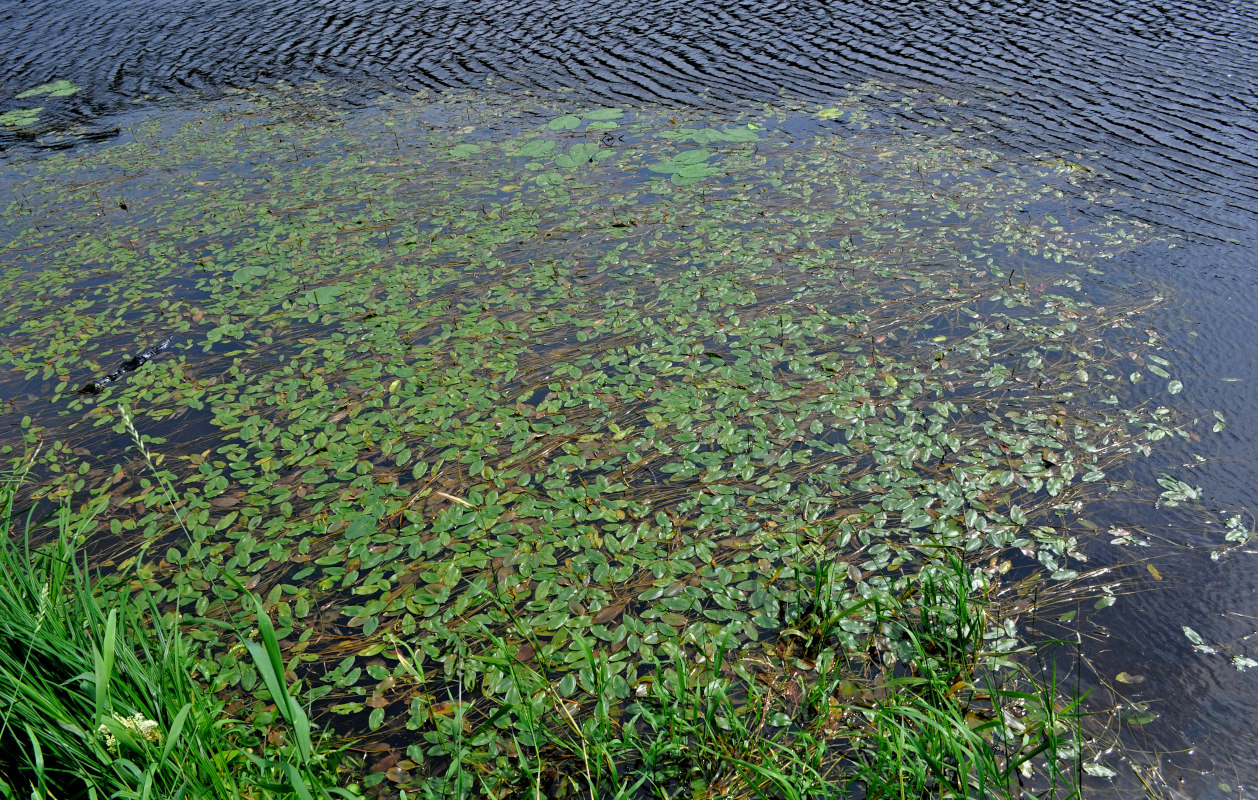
273	680
104	661
297	782
301	730
37	753
176	729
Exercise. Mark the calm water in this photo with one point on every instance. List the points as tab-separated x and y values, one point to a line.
1164	92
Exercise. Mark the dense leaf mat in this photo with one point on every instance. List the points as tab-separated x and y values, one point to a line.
581	381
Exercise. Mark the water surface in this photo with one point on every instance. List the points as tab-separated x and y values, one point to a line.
1161	94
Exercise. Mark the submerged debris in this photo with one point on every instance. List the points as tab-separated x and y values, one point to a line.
130	365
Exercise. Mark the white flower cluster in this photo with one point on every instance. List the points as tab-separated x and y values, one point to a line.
145	729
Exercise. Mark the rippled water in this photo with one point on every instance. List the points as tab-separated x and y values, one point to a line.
1163	92
1166	90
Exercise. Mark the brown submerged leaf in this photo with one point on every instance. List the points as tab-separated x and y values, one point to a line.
608	614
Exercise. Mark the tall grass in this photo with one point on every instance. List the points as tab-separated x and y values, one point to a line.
98	699
703	725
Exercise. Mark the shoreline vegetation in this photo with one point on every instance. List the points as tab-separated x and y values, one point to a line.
540	451
100	701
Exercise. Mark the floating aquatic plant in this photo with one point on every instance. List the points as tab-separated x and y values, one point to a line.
454	377
58	88
20	117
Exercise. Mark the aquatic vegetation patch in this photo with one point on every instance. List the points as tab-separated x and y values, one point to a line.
57	88
517	414
25	117
100	698
20	117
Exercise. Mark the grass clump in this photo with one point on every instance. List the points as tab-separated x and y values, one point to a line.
702	721
100	699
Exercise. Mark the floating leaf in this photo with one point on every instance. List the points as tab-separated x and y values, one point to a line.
397	775
20	117
537	148
58	88
709	135
1138	715
1197	642
1098	770
602	114
360	527
324	295
248	273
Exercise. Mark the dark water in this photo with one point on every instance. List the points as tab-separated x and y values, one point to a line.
1164	92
